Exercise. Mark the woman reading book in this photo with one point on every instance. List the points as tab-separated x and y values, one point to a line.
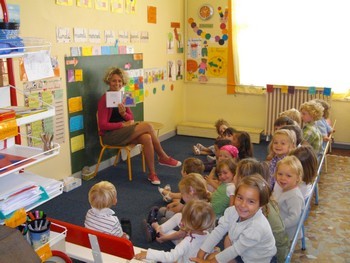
117	127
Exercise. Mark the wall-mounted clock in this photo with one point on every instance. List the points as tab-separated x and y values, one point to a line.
205	12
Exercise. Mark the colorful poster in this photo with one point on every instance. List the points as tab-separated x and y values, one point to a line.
217	62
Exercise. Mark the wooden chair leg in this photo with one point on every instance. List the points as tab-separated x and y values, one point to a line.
117	157
99	160
129	165
143	160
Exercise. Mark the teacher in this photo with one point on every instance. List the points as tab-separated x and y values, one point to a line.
117	127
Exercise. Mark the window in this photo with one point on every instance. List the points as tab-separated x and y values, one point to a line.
295	42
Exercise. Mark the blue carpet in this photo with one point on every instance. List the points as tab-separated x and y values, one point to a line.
135	198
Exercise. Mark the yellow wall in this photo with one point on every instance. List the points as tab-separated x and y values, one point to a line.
39	18
188	101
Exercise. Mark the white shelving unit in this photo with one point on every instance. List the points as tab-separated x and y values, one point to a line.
27	156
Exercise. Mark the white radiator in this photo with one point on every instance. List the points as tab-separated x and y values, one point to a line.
278	101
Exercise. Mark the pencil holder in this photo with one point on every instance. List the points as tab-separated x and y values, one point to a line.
39	232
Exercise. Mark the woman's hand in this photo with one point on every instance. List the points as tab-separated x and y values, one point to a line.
121	109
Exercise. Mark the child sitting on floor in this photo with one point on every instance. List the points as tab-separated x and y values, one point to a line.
197	219
250	238
192	187
220	125
100	217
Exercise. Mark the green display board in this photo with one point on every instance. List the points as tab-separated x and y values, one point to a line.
85	86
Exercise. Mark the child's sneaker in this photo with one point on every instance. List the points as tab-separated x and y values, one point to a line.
150	232
153	178
152	215
171	162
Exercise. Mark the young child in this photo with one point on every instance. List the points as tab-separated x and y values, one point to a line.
241	140
100	217
294	114
289	174
282	121
283	141
251	166
217	145
225	152
190	165
323	124
312	111
220	125
197	219
192	187
250	238
298	133
223	196
308	160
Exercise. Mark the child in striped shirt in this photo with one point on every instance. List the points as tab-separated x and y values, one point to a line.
100	217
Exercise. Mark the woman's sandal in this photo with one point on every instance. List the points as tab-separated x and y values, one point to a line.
200	146
196	151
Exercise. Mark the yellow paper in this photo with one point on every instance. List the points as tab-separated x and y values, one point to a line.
77	143
75	104
78	75
217	62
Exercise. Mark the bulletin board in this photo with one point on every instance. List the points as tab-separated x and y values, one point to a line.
206	41
85	86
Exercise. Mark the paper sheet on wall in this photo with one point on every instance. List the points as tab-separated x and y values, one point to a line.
38	65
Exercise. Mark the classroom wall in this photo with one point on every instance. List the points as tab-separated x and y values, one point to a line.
208	102
39	18
187	102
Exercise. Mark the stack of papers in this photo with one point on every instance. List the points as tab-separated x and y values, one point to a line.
17	192
51	186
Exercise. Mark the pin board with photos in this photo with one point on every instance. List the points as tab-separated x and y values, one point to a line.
85	86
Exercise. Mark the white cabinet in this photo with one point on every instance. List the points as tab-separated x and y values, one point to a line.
14	157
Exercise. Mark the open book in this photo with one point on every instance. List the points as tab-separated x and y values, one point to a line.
114	98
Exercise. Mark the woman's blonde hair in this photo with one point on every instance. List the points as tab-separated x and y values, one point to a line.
198	215
102	195
256	181
294	163
115	71
194	183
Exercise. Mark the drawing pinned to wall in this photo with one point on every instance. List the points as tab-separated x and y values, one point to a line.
101	5
84	3
109	37
63	35
202	70
154	75
135	84
194	48
170	43
117	6
179	69
80	35
171	70
130	6
144	37
217	62
64	2
78	75
94	36
191	69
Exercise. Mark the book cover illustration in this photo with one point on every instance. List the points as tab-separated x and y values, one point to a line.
113	98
